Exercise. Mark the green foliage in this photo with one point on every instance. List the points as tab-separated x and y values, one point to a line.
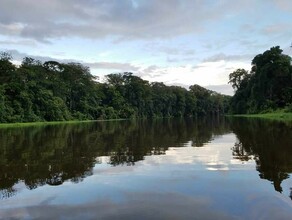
209	102
53	91
237	78
288	108
267	87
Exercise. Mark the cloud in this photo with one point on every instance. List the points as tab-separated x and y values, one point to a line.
126	67
127	19
213	75
122	67
172	60
235	57
151	69
18	56
223	89
279	28
285	5
147	205
10	29
18	42
176	51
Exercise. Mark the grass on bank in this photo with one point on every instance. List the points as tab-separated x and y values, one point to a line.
277	115
29	124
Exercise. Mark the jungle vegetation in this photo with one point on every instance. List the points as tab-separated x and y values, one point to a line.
266	88
54	91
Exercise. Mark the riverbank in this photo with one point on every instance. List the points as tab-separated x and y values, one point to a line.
278	116
29	124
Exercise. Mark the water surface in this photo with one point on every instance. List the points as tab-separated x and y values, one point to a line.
155	169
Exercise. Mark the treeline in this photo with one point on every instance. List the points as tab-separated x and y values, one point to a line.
267	87
53	91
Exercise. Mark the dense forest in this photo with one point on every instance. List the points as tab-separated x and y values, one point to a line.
267	87
53	91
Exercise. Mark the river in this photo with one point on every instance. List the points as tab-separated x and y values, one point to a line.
210	168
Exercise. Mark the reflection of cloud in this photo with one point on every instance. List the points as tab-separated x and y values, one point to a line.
169	186
213	156
217	166
136	206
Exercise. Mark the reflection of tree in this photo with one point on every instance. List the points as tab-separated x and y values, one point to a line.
239	152
54	154
207	129
6	193
270	143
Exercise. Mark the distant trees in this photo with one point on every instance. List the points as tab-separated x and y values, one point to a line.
53	91
268	86
209	101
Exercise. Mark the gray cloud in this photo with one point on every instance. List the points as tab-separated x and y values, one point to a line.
18	56
113	66
280	28
172	60
236	57
151	69
284	5
176	60
176	51
223	89
45	20
18	42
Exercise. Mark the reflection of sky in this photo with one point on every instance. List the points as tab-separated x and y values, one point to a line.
205	182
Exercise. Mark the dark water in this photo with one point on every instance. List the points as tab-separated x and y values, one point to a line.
160	169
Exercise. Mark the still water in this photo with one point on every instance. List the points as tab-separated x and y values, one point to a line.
159	169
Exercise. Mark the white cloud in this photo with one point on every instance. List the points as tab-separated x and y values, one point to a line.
206	74
121	67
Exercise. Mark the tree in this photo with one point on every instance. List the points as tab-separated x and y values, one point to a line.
267	87
7	68
237	77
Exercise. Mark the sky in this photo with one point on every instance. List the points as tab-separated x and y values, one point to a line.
178	42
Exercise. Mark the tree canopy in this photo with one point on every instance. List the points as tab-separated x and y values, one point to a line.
54	91
268	86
